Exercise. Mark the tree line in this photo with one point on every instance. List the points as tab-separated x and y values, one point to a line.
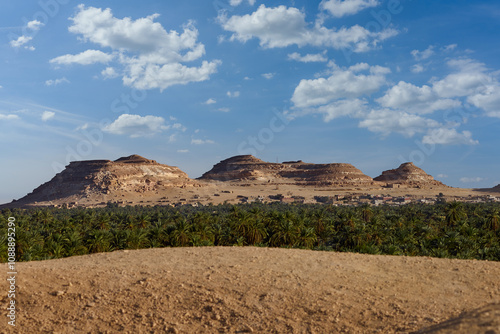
446	230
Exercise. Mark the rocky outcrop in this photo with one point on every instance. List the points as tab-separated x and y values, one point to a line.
408	175
249	168
87	179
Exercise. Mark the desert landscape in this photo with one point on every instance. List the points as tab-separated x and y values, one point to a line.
255	290
135	180
247	289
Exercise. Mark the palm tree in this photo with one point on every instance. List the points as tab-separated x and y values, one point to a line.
493	221
98	241
181	235
455	213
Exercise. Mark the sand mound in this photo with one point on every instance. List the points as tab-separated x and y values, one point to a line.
248	290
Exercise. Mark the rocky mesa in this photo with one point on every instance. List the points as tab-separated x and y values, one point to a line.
96	178
408	175
250	168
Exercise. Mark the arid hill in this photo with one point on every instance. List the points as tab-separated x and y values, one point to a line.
247	167
95	178
409	175
254	290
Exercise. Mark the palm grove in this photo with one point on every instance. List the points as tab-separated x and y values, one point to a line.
451	230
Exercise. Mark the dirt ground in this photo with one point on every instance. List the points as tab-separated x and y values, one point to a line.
254	290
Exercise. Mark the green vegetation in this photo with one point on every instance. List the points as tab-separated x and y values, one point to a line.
453	230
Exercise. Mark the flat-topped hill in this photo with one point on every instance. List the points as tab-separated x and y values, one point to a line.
92	178
250	168
410	175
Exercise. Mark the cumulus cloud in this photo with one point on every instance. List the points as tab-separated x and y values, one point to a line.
47	115
268	76
448	136
34	25
417	68
281	27
151	57
20	41
308	58
421	55
342	84
87	57
339	8
201	141
109	73
419	100
210	101
136	125
56	82
386	121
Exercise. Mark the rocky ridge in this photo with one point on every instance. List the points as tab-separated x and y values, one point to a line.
249	168
86	179
409	175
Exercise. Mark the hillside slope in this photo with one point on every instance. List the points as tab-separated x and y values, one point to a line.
252	290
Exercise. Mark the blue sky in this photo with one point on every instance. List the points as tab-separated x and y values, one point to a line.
370	82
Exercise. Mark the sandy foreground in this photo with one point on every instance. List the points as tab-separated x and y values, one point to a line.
254	290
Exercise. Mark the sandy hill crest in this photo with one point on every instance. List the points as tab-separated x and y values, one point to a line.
249	168
408	174
92	178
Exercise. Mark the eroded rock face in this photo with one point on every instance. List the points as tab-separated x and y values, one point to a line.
249	168
408	174
96	177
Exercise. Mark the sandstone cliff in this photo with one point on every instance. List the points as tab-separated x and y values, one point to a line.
249	168
408	175
88	179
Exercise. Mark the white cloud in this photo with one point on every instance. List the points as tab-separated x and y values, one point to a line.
386	121
47	115
450	47
268	76
210	101
235	3
447	136
421	55
442	176
179	126
56	82
308	58
20	41
469	78
488	100
109	73
34	25
151	57
417	68
182	151
419	100
281	27
224	109
201	141
87	57
471	179
342	108
339	8
136	125
233	94
343	83
9	117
